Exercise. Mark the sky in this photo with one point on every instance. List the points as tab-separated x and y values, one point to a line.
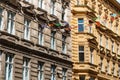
118	1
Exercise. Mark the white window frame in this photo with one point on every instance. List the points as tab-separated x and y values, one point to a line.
64	74
26	68
1	19
40	71
52	7
27	29
53	40
30	1
53	72
64	46
106	43
40	36
11	23
100	40
91	55
9	67
112	47
41	4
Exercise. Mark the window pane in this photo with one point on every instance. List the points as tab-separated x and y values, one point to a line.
81	56
80	27
26	68
81	48
80	21
8	67
10	23
82	78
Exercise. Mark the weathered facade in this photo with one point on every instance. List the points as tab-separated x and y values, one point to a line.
95	39
33	46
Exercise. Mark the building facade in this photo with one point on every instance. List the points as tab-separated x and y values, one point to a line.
95	39
35	40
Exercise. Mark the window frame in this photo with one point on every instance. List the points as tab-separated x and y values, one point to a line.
1	18
27	23
9	62
53	72
40	71
64	46
40	35
64	74
11	22
82	54
82	77
26	67
79	25
52	7
91	55
53	40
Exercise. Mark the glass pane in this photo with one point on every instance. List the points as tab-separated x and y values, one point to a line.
81	56
80	27
82	78
80	21
81	48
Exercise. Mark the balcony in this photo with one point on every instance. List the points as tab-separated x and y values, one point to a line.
85	67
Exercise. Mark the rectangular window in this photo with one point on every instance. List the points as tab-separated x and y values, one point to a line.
64	44
82	77
53	42
113	68
29	1
26	68
52	8
92	78
64	74
27	29
81	53
112	46
119	70
40	36
11	23
100	40
91	55
80	25
101	64
108	67
118	50
1	19
9	67
106	43
53	72
40	71
0	60
117	29
41	4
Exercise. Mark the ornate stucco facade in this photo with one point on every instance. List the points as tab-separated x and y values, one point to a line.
95	39
34	42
